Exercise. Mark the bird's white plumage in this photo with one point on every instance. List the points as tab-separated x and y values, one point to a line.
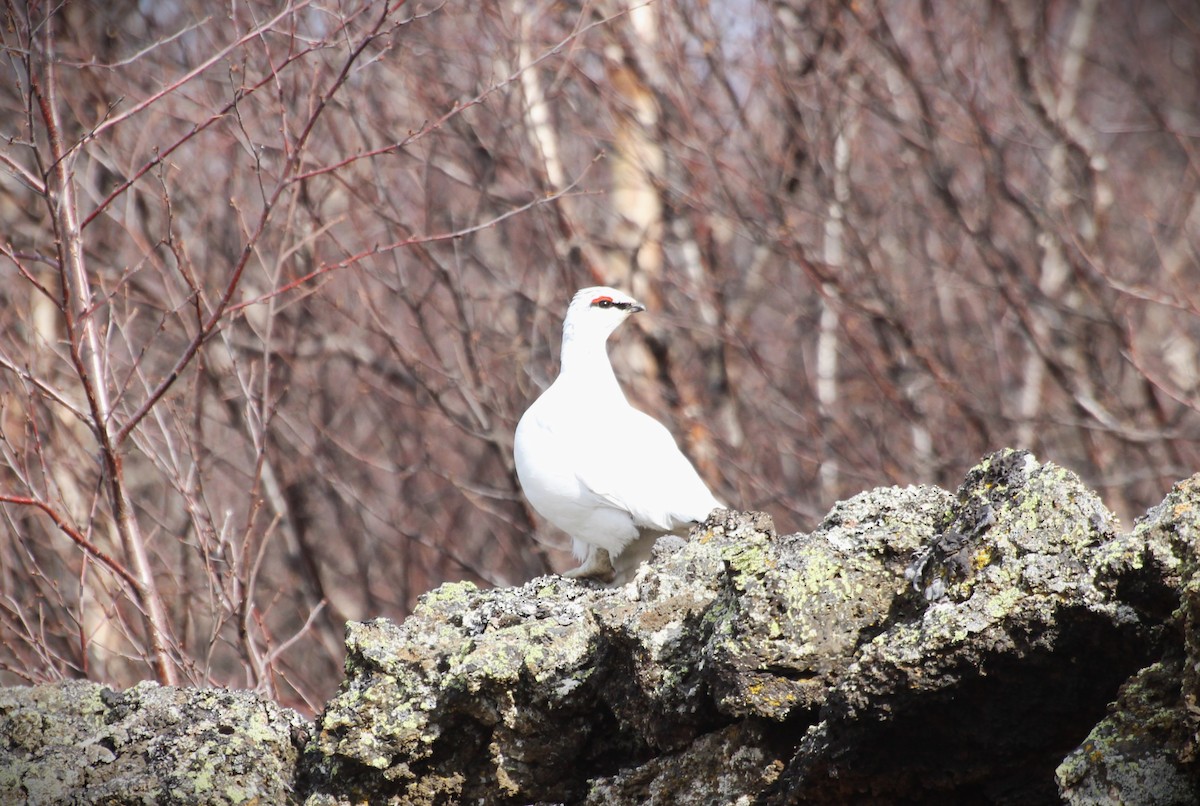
591	464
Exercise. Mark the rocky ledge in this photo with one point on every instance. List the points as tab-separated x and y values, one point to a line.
1006	644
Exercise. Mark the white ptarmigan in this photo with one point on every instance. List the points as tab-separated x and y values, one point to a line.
608	475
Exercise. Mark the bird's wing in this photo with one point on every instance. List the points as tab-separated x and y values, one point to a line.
640	469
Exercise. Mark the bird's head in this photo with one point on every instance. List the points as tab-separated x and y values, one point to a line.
595	312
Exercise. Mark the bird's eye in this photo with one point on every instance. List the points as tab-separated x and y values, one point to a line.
603	302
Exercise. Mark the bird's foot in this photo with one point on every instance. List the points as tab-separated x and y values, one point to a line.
597	565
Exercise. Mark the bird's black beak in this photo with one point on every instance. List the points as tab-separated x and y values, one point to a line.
636	307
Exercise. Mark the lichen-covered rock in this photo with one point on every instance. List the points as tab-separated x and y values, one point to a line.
432	710
1150	567
1003	659
527	694
1146	750
915	647
726	766
1178	520
792	611
82	743
1137	753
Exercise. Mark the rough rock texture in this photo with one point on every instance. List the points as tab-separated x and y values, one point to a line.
1008	656
1001	645
529	693
1145	750
82	743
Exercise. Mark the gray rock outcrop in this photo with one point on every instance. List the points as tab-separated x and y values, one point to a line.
82	743
1006	644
